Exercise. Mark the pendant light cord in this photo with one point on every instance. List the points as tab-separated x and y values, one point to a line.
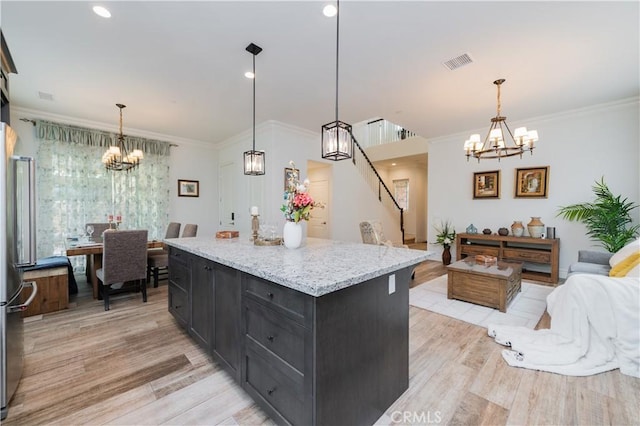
254	102
337	51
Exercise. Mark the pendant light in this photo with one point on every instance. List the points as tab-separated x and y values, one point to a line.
254	160
337	141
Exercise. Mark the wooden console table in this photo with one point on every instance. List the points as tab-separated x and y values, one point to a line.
540	256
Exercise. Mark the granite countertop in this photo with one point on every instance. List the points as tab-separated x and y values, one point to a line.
317	268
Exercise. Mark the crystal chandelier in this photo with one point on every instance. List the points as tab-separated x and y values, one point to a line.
117	158
496	145
336	136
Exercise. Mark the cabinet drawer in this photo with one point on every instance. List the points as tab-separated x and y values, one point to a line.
276	333
178	304
179	275
278	385
177	256
479	249
538	256
285	300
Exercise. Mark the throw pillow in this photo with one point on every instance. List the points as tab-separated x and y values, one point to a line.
626	260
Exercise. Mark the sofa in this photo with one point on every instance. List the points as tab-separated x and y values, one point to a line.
591	262
623	263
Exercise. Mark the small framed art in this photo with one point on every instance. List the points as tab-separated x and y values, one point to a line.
532	182
292	175
188	188
486	184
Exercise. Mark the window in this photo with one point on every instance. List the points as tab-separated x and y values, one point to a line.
74	188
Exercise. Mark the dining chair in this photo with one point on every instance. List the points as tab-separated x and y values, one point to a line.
124	259
96	236
158	259
98	229
190	230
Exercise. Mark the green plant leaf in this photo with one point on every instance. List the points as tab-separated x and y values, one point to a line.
607	218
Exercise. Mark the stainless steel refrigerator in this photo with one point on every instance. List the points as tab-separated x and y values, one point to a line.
17	249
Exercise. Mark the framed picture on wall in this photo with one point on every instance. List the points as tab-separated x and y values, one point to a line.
188	188
486	184
532	182
290	175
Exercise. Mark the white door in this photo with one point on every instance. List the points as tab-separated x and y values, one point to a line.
319	218
227	214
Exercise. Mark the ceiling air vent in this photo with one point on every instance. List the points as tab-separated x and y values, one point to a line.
458	61
45	96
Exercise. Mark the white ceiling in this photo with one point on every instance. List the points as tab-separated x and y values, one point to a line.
178	66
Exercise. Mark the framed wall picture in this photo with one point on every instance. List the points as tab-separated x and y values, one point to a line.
188	188
486	184
532	182
290	175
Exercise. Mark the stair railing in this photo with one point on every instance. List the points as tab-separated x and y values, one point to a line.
376	183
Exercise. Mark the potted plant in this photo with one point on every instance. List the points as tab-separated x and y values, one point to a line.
607	219
446	236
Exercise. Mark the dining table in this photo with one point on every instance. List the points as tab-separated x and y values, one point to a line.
93	252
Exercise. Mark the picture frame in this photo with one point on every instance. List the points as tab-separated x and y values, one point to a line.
188	188
486	184
290	173
532	182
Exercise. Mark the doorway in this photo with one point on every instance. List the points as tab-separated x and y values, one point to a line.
320	189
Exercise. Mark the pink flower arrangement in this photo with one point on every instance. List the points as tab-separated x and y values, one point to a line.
297	201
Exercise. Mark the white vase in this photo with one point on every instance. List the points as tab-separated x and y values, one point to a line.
292	234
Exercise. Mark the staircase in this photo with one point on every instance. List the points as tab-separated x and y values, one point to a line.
372	177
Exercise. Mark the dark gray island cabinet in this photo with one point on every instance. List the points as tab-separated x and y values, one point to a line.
315	338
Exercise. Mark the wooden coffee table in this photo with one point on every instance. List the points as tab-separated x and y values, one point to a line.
493	285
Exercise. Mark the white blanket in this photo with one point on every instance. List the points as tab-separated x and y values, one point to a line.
595	327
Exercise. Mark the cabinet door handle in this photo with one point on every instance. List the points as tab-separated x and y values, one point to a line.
270	338
271	391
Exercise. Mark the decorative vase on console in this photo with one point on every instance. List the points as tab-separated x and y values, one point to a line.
292	234
535	227
517	228
446	255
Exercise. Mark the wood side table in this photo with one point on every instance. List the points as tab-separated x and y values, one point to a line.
493	285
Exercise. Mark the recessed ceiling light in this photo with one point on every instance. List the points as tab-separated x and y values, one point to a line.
330	10
393	164
101	11
249	74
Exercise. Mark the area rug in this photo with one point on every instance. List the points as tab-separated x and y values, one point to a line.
524	310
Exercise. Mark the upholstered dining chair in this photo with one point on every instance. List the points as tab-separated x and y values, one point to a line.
158	259
371	232
124	259
98	229
190	230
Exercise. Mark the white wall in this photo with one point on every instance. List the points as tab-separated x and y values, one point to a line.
415	217
579	146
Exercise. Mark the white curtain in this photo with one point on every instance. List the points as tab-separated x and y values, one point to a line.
74	188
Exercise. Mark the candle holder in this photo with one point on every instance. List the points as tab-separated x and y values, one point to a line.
255	226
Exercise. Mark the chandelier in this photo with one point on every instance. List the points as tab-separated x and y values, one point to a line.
496	145
336	136
117	158
254	160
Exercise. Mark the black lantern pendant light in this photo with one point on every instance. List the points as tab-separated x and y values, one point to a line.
254	160
336	136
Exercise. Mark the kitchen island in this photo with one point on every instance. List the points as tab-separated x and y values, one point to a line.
316	335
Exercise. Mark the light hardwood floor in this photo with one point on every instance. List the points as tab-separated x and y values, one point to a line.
134	365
